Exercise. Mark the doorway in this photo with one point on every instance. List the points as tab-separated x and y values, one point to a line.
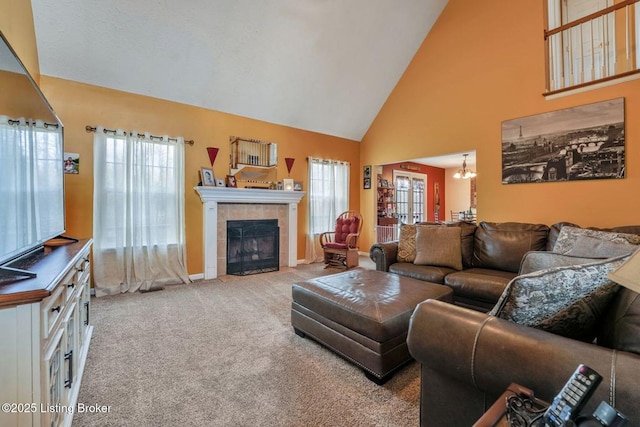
411	197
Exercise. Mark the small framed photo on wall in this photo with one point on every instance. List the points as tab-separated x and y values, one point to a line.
366	183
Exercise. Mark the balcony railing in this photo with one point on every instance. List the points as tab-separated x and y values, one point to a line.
596	48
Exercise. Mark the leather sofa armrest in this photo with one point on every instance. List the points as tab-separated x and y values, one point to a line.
384	254
489	353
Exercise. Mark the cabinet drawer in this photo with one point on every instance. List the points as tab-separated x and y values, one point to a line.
83	276
83	263
52	307
69	283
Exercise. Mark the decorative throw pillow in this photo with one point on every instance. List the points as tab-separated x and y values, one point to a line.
439	246
407	243
567	301
583	242
543	260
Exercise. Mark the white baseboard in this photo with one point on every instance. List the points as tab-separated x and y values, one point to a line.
195	277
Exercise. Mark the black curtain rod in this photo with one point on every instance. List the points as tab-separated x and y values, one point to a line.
46	125
113	131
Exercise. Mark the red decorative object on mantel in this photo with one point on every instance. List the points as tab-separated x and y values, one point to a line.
289	161
213	152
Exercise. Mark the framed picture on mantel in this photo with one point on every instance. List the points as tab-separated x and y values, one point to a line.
207	178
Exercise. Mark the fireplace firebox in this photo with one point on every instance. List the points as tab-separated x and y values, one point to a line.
253	246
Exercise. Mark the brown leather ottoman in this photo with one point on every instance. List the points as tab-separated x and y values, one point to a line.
363	315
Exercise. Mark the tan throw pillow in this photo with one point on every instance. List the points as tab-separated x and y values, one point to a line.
407	243
439	246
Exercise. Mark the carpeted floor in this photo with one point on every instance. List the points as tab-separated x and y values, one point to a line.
223	353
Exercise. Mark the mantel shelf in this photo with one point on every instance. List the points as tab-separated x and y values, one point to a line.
248	195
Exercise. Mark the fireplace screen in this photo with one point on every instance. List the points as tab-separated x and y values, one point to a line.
253	246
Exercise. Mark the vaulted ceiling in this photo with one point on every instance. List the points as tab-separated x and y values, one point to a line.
322	65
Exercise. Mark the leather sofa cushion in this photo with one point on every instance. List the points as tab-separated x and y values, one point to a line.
467	232
427	273
479	284
501	246
621	327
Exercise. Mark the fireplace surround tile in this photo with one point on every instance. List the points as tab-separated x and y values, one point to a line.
222	203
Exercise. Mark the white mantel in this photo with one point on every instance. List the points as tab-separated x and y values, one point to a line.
211	196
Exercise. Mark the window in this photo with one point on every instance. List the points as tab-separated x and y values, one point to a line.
138	214
591	41
328	193
143	180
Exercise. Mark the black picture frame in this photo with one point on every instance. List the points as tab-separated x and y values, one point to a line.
366	173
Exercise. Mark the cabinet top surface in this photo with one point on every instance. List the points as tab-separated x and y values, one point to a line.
50	265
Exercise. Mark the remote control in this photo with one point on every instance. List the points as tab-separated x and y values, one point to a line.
575	393
608	416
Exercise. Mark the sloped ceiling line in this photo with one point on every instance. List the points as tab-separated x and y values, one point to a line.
325	66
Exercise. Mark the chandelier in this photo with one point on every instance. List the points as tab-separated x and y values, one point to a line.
464	173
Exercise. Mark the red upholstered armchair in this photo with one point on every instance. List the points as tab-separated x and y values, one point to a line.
340	247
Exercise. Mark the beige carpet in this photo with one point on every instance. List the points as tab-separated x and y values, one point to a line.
223	353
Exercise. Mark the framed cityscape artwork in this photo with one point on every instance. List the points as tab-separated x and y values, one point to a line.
579	143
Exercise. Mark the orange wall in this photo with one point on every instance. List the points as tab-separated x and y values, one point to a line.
18	98
483	62
16	23
79	105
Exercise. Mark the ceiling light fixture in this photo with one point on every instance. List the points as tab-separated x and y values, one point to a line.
464	173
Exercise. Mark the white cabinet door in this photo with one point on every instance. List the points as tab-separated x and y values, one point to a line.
53	381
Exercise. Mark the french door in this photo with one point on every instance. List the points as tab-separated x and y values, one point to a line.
411	198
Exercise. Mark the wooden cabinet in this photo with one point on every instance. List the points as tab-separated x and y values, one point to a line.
45	332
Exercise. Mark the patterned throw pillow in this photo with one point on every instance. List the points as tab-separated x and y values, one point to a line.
583	242
567	301
407	243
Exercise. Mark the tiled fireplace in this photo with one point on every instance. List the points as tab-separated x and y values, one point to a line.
221	204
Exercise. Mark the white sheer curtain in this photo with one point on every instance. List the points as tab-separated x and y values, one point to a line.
328	198
138	212
31	190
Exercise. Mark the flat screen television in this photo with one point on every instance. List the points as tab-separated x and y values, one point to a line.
31	164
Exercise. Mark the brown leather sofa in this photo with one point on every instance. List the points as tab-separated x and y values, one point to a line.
491	257
469	358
